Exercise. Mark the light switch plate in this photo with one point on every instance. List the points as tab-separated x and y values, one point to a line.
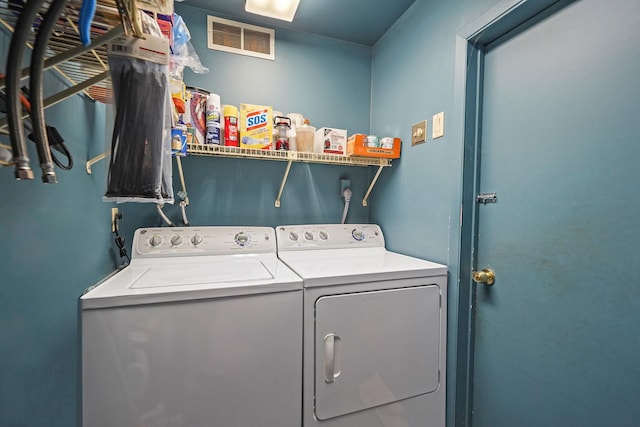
419	133
438	125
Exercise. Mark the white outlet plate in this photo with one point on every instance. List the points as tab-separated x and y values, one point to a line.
437	125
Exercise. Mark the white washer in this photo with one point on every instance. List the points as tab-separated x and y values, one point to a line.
203	328
374	328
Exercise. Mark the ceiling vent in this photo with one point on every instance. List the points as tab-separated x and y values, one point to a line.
244	39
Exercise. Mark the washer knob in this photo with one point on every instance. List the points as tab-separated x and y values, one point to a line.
176	240
242	239
293	235
196	239
308	235
155	240
323	235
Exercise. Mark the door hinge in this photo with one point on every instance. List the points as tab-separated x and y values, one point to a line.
485	198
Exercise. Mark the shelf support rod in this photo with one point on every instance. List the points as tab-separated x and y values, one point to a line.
96	159
5	162
284	181
375	178
67	93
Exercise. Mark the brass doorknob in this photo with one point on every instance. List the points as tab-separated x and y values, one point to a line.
486	276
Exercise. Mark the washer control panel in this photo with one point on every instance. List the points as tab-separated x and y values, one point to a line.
175	241
328	236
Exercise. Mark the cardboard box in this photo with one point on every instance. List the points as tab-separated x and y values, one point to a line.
332	141
359	146
256	126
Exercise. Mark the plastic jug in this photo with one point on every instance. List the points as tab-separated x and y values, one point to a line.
305	135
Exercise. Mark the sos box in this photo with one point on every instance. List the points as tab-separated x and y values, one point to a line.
359	145
256	126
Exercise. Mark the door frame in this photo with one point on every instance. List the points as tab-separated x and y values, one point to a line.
471	41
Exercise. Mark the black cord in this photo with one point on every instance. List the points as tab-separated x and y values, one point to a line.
56	143
119	240
57	140
65	152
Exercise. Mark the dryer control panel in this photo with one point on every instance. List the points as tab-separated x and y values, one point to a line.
328	236
193	241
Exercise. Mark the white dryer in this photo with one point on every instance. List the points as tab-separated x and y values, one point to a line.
374	328
203	328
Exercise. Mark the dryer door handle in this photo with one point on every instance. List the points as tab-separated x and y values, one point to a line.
331	346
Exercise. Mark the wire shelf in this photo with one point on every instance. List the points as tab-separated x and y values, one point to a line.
294	156
85	66
291	157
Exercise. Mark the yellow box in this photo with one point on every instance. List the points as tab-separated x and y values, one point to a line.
359	146
256	126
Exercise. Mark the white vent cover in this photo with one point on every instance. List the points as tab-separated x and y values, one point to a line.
236	37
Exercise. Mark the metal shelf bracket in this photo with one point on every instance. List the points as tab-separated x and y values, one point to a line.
96	159
373	182
284	181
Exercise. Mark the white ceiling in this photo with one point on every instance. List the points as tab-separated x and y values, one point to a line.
357	21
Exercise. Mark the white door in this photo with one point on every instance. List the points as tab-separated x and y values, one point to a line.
375	348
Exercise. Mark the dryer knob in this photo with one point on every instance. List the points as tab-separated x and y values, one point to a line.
308	235
357	234
155	240
196	239
242	239
323	235
293	236
176	240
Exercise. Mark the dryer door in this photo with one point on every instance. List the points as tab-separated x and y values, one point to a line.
375	348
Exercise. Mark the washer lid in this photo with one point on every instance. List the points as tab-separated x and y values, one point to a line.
345	266
158	276
159	280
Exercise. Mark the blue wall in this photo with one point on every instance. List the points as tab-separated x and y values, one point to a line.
326	80
55	242
418	203
56	238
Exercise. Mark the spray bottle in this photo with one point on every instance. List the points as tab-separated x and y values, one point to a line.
231	126
213	119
